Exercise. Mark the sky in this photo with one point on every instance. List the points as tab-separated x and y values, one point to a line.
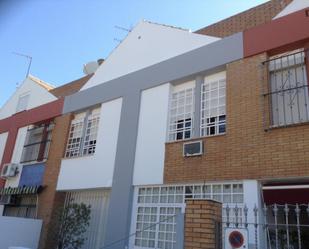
62	35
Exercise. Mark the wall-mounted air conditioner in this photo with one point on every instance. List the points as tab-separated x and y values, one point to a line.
236	238
9	170
194	148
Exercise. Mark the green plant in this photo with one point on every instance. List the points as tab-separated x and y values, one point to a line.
71	224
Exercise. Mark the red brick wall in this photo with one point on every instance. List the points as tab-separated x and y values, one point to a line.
246	151
245	20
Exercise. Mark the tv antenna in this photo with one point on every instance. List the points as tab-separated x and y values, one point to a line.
122	29
28	57
117	40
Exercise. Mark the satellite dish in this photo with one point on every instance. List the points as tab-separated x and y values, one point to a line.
90	67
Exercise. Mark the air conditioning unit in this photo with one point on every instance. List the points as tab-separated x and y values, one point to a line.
193	148
236	238
9	170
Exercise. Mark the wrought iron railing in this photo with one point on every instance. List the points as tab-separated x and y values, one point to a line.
281	226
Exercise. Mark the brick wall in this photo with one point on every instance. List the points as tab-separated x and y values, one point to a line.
246	151
49	199
202	218
245	20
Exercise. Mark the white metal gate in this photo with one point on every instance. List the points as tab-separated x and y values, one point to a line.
98	199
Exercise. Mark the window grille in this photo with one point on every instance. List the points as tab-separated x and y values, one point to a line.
157	207
146	226
37	143
181	114
90	140
288	89
75	137
83	133
213	117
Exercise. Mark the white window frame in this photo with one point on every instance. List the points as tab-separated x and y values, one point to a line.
83	141
213	105
91	134
23	102
181	112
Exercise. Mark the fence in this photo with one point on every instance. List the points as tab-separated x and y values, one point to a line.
282	227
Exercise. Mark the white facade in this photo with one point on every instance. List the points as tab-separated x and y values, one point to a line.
34	95
150	147
147	44
95	171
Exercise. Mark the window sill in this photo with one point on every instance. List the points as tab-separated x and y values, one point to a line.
286	126
33	162
77	157
195	139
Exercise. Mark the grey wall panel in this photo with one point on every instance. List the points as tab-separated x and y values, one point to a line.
119	213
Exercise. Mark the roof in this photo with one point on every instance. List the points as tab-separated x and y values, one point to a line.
71	87
165	25
147	44
42	83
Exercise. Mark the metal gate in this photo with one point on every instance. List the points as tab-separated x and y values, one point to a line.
271	227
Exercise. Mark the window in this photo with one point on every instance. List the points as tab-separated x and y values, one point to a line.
24	206
181	114
82	138
37	143
91	134
22	102
213	117
158	206
288	90
146	226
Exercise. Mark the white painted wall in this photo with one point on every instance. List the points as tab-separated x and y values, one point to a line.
294	6
3	138
147	44
38	96
150	147
251	198
95	171
16	157
19	232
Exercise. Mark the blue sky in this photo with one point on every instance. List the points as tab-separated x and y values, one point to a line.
62	35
